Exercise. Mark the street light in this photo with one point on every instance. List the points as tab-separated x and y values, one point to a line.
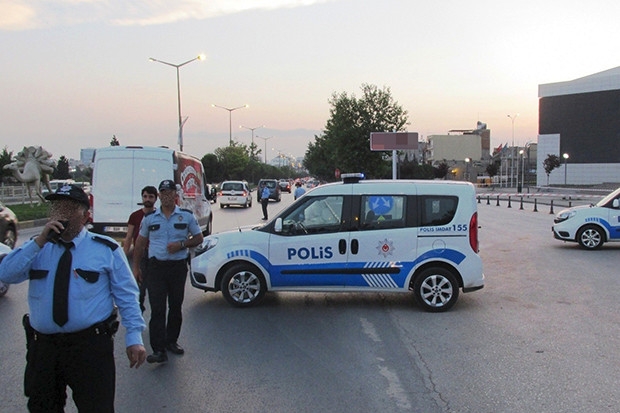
520	185
181	122
565	156
230	111
467	161
512	149
265	139
252	129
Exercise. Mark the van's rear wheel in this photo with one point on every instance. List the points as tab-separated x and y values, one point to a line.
243	285
436	289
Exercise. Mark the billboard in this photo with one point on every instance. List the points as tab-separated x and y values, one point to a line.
388	141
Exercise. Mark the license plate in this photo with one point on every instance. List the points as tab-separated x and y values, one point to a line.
232	198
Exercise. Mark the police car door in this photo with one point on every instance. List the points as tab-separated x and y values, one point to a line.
310	252
383	250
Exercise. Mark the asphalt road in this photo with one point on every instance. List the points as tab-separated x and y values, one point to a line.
541	336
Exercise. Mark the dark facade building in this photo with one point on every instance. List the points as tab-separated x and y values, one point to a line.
581	118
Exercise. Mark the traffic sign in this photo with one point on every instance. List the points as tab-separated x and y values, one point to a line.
388	141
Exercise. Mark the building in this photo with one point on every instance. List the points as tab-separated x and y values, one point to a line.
580	118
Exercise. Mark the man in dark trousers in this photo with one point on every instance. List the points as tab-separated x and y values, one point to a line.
149	197
169	232
264	199
76	278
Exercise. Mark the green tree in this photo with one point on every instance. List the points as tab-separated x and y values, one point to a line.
62	169
492	169
441	170
233	160
5	159
550	163
345	142
114	141
212	167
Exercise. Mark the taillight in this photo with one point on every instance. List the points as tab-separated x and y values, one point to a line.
473	232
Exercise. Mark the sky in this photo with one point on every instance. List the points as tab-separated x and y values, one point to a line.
75	73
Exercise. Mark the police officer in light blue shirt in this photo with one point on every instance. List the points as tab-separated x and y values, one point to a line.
169	232
76	278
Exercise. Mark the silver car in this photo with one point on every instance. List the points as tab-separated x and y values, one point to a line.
235	193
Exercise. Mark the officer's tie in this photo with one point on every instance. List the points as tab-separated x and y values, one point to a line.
61	286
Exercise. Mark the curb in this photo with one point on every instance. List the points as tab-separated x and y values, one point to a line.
31	224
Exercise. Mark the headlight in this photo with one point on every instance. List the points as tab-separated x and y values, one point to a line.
206	245
564	215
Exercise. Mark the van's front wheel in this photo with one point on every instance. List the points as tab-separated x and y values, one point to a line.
243	285
436	289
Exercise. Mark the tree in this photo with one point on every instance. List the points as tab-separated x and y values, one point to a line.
233	160
114	141
345	143
441	171
492	169
550	163
5	159
212	167
62	169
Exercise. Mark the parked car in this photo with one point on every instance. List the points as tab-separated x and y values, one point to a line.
590	225
274	189
8	226
285	185
235	193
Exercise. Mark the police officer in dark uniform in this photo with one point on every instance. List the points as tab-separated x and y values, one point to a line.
169	232
76	280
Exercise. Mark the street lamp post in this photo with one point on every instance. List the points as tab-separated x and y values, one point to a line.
467	161
252	129
230	111
512	149
178	66
520	184
565	156
265	139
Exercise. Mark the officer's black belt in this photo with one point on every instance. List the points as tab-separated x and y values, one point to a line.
109	327
166	263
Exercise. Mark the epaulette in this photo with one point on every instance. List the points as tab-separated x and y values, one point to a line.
111	244
187	210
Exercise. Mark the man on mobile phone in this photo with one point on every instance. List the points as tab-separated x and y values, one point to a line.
75	285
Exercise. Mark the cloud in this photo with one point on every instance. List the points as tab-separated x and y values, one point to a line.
33	14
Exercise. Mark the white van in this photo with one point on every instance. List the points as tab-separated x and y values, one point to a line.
120	173
356	235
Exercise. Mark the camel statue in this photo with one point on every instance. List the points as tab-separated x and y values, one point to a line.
32	166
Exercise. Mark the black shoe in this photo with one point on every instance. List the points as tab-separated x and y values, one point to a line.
175	348
157	357
264	219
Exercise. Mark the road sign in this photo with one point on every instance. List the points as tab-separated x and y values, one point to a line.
388	141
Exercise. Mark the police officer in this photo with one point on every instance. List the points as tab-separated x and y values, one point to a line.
75	280
169	232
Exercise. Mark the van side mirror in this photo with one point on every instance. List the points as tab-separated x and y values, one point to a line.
277	227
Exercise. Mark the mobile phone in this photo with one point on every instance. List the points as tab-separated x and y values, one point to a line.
54	236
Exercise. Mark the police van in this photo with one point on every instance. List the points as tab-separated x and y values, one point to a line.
590	225
356	235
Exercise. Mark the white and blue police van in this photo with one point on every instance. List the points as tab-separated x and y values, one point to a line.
353	236
590	225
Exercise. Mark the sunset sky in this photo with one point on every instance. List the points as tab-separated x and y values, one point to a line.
77	72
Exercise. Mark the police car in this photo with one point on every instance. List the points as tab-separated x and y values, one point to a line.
590	225
355	235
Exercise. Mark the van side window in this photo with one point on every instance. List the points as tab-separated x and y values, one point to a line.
437	209
382	212
318	215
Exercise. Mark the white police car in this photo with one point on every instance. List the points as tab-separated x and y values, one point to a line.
590	225
356	235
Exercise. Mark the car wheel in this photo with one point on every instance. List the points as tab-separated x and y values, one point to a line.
590	237
10	238
436	289
221	205
243	285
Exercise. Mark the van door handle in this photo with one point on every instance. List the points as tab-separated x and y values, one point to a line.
355	246
342	247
